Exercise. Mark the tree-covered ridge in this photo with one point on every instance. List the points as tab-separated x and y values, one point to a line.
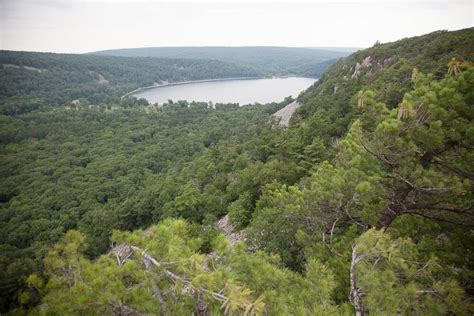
30	81
266	59
387	70
394	167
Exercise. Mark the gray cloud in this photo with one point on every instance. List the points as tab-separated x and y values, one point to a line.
81	26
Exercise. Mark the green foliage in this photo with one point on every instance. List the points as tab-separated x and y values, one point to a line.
367	195
123	169
386	70
414	160
394	280
229	282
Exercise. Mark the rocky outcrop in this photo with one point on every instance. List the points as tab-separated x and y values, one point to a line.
369	66
228	229
100	79
286	113
366	63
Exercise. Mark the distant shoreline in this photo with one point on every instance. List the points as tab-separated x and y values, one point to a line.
199	81
177	83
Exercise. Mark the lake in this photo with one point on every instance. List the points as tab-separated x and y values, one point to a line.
244	92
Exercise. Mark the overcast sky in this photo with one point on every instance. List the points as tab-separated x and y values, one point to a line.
77	26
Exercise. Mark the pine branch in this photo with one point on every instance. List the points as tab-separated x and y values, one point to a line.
439	219
421	207
188	287
376	155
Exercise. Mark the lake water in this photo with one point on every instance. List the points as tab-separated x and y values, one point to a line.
229	91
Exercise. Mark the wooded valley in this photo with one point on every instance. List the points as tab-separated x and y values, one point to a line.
363	205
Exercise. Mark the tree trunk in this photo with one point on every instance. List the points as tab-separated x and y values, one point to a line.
395	207
387	218
355	294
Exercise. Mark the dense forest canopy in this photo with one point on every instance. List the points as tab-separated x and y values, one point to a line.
266	59
364	204
68	169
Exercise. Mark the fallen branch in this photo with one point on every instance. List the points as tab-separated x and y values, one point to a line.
189	288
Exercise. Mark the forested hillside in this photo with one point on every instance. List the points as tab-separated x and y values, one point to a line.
310	62
364	204
30	81
87	169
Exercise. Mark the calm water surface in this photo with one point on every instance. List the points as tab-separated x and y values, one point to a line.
230	91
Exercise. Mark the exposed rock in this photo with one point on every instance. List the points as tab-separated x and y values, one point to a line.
10	66
24	67
99	77
370	66
366	63
356	71
286	113
34	69
228	228
388	61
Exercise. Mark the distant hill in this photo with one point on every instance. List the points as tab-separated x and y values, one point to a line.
266	59
338	49
55	79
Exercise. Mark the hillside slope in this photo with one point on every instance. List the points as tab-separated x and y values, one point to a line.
31	80
269	60
387	70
